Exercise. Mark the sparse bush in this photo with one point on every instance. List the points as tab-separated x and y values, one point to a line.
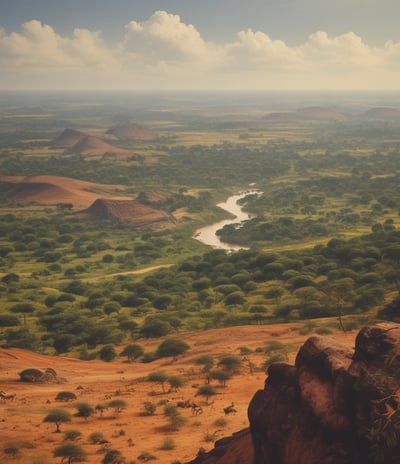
117	404
149	408
65	396
113	456
146	456
244	350
11	450
220	422
31	375
168	444
72	435
96	438
176	421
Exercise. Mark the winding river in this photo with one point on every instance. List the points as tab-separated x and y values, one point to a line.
207	234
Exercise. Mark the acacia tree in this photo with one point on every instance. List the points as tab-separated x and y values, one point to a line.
24	309
207	391
159	377
58	416
70	451
133	352
172	347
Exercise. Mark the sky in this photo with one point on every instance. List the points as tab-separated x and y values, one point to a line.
200	45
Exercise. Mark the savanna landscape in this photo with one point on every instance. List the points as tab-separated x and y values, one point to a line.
123	337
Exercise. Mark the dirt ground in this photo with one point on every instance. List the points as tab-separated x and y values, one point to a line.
131	432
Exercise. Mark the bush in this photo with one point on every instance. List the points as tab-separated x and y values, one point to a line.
72	435
149	408
31	375
65	396
96	438
107	353
168	444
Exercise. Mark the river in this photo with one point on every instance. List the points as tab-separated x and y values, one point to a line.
207	234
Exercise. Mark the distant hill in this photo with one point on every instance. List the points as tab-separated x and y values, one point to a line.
311	113
51	190
128	212
79	143
90	145
132	132
67	138
382	113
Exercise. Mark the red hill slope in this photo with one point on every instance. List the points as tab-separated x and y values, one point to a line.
51	190
89	145
130	212
68	138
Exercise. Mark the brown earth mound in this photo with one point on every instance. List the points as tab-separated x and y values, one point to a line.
68	138
130	212
51	190
132	132
89	146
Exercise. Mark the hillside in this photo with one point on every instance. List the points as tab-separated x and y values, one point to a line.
92	146
130	212
129	431
67	138
51	190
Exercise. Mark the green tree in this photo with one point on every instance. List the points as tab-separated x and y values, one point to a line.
71	452
117	404
107	353
113	456
133	352
158	377
84	410
24	309
207	391
58	416
230	362
172	347
221	375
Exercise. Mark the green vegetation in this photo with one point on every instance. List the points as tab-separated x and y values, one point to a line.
323	240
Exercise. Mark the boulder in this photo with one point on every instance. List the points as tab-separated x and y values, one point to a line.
335	405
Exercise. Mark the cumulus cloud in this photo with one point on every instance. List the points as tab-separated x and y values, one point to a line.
164	52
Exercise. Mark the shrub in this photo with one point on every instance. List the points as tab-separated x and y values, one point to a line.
168	444
31	375
107	353
72	435
96	438
65	396
149	408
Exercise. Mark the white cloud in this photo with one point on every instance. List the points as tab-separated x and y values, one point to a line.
164	52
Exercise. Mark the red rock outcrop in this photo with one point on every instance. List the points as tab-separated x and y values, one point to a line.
336	405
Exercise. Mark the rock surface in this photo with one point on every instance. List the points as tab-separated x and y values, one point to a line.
336	405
